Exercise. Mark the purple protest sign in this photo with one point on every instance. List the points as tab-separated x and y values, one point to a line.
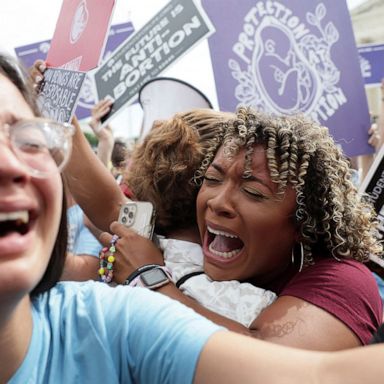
118	33
28	54
372	63
289	57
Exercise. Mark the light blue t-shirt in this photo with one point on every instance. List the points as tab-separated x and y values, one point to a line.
80	239
89	332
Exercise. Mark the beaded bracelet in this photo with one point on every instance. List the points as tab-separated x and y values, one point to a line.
106	260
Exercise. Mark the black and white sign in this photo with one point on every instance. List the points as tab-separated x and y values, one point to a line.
166	37
373	186
59	93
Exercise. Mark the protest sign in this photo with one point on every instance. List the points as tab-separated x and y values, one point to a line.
372	63
291	56
80	34
59	93
166	37
373	189
28	54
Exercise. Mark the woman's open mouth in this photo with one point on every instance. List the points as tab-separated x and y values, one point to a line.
11	222
223	244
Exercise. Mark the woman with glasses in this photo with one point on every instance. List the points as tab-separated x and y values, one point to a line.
70	332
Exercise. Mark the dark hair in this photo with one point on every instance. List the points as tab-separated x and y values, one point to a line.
119	153
18	75
163	165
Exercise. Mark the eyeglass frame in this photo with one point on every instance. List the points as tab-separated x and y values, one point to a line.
67	131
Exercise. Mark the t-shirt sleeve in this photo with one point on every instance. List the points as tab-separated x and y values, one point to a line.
163	339
87	244
346	289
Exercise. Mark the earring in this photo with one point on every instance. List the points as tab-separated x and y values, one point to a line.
301	256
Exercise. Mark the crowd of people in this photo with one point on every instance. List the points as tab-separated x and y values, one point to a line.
260	239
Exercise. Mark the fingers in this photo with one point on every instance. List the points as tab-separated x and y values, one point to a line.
102	107
122	231
105	238
37	73
99	110
374	138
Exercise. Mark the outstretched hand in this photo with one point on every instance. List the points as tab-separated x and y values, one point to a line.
98	111
132	251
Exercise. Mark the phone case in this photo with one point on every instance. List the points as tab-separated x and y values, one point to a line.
139	216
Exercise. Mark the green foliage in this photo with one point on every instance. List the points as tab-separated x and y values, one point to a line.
92	139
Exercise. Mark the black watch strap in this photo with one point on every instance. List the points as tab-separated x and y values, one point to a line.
138	271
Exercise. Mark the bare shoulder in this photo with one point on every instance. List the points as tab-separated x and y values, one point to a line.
328	306
295	322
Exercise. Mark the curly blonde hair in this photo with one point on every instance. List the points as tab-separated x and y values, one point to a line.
163	165
332	218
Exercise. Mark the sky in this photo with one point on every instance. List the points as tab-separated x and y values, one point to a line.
24	22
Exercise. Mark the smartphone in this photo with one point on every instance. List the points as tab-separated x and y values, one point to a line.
139	216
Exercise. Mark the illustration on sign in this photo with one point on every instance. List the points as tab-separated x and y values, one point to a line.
366	67
80	34
288	57
371	58
79	22
277	47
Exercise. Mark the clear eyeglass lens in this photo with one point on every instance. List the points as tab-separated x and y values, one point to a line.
42	146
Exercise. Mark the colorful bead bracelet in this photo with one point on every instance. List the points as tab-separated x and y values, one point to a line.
106	260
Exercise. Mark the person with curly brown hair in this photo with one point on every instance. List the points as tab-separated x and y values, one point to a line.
276	209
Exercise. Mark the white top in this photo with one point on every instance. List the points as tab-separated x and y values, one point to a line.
241	302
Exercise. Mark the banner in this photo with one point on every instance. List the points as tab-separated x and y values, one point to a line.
373	187
291	56
372	63
80	34
59	93
166	37
28	54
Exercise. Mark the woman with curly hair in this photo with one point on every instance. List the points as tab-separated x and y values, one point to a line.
277	209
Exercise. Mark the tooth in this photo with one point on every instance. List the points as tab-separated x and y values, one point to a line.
224	255
221	233
23	216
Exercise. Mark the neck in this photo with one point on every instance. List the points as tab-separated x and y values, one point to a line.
275	278
15	336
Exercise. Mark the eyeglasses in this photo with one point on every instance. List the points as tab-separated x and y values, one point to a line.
40	144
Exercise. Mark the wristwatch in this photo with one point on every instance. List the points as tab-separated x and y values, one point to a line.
153	278
149	276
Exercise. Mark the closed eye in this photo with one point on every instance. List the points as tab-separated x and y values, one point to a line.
254	194
210	180
32	146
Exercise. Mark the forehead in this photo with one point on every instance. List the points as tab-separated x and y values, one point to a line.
259	159
12	102
234	165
